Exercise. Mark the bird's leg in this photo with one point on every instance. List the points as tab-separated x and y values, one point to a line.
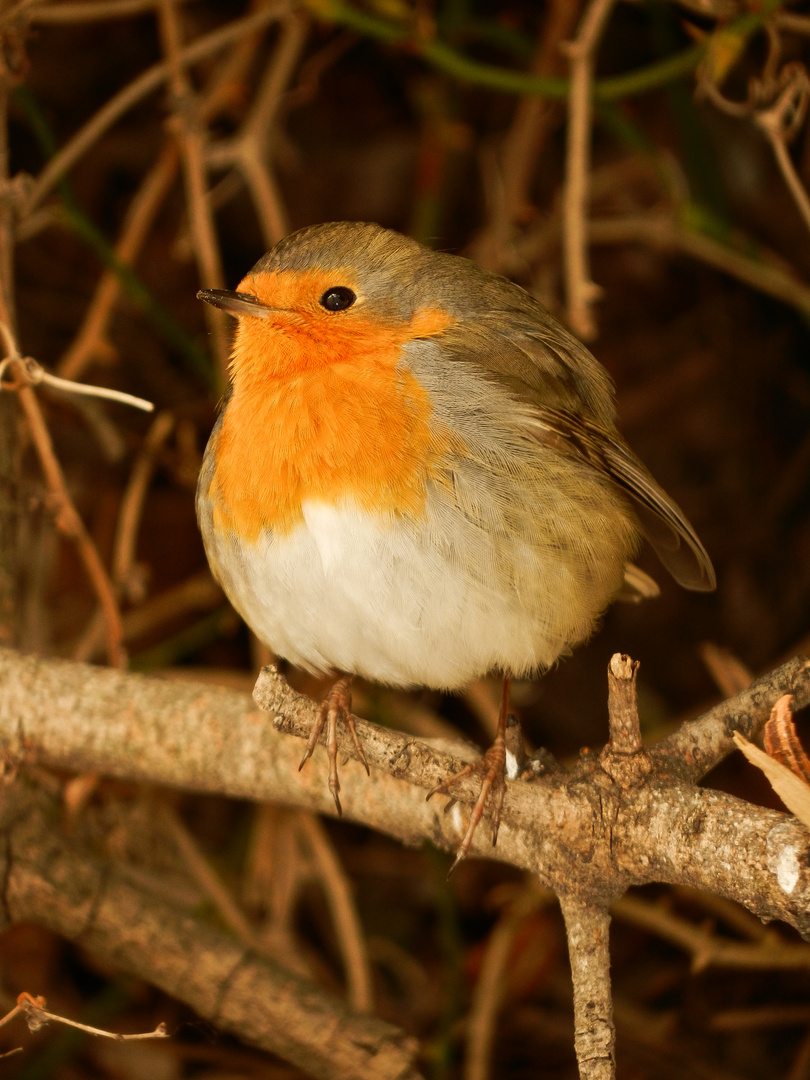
336	706
491	767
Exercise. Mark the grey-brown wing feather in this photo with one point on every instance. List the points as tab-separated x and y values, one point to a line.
662	521
568	399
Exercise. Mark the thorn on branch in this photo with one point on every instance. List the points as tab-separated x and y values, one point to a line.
624	758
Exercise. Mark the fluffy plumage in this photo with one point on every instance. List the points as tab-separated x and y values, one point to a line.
428	484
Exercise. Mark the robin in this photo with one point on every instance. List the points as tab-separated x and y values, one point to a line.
416	476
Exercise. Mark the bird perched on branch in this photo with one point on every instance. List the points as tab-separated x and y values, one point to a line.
416	475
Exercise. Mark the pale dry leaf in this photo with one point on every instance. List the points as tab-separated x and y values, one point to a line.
781	740
793	791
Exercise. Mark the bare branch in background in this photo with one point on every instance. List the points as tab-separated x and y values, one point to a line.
581	291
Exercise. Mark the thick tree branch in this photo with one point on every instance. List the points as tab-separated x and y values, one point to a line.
577	831
53	882
699	744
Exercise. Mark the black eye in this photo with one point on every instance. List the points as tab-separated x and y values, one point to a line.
337	298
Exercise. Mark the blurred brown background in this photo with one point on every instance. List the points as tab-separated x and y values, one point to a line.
329	112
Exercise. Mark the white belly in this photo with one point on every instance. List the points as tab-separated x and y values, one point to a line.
435	603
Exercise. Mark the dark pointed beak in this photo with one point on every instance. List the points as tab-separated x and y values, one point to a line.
236	303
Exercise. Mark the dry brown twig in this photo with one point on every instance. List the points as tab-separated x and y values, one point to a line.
663	228
581	290
781	122
660	230
29	373
249	150
9	442
777	100
71	525
142	932
345	917
728	671
90	342
37	1016
66	516
273	873
489	989
126	99
134	499
707	949
508	174
125	580
348	931
90	11
192	140
208	880
792	21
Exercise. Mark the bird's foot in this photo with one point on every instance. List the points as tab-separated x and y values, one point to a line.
336	707
491	767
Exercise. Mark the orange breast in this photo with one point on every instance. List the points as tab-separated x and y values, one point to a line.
320	411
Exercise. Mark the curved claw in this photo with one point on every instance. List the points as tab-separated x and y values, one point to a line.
492	767
336	706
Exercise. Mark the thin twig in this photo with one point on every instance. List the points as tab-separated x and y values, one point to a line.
70	523
9	435
507	80
91	341
126	533
198	593
777	121
135	496
699	744
249	149
769	953
30	373
523	143
38	1016
736	918
348	929
11	1014
208	879
91	338
275	870
514	167
138	89
90	12
581	291
192	140
788	20
660	230
729	673
491	984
